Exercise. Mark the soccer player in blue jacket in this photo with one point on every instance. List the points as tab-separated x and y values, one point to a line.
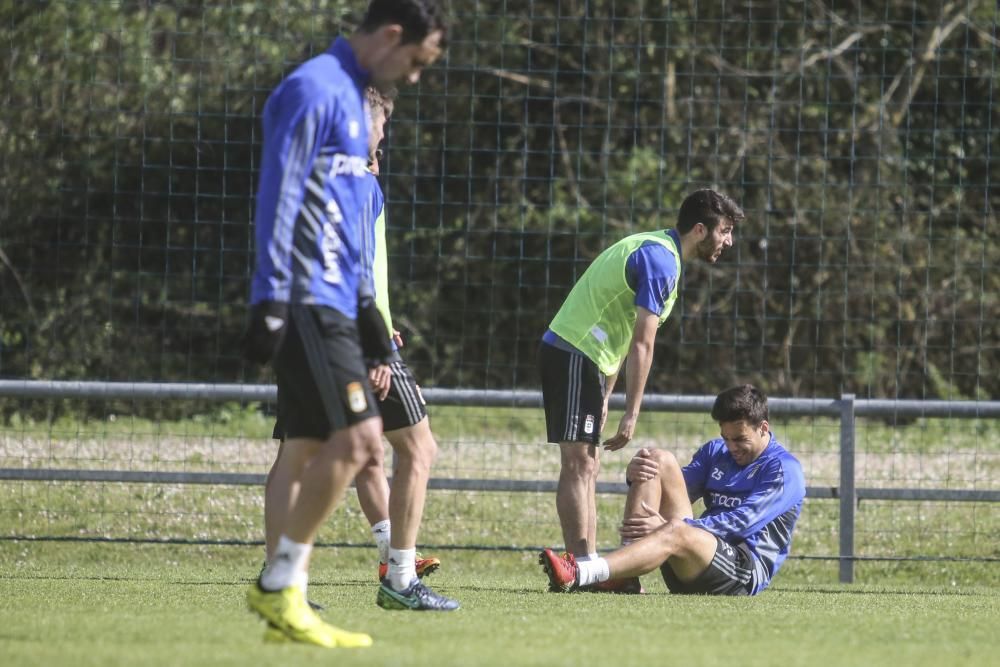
752	488
312	316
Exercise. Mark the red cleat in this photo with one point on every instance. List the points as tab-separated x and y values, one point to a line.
425	567
562	570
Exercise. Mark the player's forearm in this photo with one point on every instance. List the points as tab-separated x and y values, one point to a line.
610	385
640	360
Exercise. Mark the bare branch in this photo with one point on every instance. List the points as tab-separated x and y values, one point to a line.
5	260
518	78
826	54
934	41
990	39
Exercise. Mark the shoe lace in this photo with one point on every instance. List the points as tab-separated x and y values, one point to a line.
426	595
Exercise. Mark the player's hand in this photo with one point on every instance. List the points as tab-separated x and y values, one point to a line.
375	341
643	467
626	429
397	338
265	331
642	524
380	378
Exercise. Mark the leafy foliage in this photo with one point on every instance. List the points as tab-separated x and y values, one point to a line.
860	141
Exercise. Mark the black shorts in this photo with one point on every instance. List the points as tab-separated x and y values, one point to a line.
322	381
729	573
573	393
404	406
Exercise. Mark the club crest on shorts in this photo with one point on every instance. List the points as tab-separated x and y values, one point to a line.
588	424
356	397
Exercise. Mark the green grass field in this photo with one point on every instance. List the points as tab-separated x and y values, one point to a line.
64	599
121	604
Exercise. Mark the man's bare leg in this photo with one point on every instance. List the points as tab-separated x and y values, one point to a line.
665	492
373	489
575	501
329	472
415	450
688	549
280	490
654	526
592	504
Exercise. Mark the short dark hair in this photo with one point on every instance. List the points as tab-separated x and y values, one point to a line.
709	208
744	403
381	99
418	18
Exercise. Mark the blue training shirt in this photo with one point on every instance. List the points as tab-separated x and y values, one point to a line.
314	190
651	271
755	505
376	200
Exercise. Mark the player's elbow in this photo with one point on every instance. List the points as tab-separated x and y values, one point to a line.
641	348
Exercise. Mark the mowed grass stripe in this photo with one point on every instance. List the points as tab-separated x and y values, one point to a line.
86	604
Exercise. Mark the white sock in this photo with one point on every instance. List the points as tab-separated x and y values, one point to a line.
587	558
592	571
288	567
381	531
302	581
402	567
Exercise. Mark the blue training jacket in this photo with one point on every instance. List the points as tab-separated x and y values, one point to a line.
314	191
756	505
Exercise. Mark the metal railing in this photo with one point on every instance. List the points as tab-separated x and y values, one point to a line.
848	408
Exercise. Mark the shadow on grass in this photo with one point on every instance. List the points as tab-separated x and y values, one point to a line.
881	591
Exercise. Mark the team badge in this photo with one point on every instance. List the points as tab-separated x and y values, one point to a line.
588	425
356	397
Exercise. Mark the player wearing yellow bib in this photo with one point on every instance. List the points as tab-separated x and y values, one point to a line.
609	318
405	425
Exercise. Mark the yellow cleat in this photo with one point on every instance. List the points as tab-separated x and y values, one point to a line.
290	614
274	635
346	639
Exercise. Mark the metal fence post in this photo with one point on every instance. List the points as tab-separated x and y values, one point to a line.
848	495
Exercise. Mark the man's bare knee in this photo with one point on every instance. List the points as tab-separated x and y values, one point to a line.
578	461
415	443
670	536
375	465
357	443
664	459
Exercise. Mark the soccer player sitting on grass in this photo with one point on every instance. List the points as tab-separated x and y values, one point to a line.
752	488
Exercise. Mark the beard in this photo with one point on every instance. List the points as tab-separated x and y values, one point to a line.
706	250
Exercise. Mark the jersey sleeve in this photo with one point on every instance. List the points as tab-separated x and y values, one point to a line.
369	238
695	474
781	486
652	272
290	149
